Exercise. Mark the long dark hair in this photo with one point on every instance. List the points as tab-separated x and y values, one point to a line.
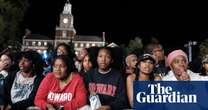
137	73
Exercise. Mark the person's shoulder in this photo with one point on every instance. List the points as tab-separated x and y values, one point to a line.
204	78
115	71
11	75
197	76
50	76
131	77
158	78
4	73
91	73
170	76
76	75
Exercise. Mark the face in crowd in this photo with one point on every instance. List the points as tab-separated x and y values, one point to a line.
87	64
205	63
131	61
179	65
5	62
63	67
60	69
25	65
61	50
158	53
104	59
146	66
81	54
205	66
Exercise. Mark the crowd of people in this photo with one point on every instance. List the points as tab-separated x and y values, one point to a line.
94	79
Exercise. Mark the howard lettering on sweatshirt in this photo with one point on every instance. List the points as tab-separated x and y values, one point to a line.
59	97
106	89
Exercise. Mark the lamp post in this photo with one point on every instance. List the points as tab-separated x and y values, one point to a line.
103	38
189	46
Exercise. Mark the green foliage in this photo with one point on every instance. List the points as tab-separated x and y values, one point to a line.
154	40
11	16
14	45
204	48
135	46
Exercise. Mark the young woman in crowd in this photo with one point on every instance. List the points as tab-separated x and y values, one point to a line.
204	70
86	64
107	82
79	58
62	88
178	62
145	71
21	86
5	64
61	49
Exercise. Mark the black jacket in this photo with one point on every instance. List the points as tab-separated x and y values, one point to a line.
2	96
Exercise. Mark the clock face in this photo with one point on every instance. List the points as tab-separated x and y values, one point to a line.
65	20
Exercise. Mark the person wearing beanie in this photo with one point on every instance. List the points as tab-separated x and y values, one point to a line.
178	62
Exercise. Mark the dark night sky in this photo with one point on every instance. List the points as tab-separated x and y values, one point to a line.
122	20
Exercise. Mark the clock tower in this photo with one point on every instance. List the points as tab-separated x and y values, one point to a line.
65	32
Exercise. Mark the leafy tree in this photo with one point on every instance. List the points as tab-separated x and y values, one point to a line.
11	16
135	46
154	40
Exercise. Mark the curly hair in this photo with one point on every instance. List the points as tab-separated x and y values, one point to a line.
37	61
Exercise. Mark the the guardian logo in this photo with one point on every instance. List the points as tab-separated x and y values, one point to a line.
162	94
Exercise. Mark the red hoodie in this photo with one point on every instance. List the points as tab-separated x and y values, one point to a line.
72	96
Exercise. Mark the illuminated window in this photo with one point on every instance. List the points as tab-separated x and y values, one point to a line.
64	34
81	45
33	43
87	45
45	43
93	44
75	45
39	43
